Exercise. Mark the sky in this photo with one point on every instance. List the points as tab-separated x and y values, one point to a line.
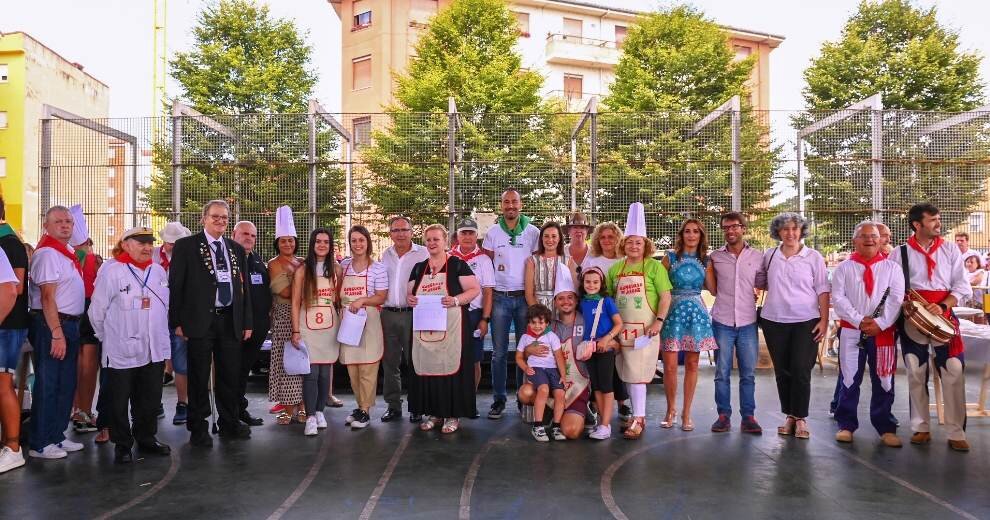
112	39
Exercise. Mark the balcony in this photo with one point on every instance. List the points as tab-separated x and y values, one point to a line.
584	52
576	101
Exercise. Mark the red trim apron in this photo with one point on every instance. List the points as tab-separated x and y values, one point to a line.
372	345
437	353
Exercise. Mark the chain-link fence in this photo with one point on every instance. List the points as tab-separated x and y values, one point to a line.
341	169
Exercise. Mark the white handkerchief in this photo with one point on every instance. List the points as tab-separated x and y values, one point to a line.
429	314
296	360
352	327
642	342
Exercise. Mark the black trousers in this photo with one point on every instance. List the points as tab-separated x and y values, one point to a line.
222	347
793	350
140	387
249	356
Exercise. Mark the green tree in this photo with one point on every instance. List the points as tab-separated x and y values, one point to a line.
676	67
251	73
467	53
901	52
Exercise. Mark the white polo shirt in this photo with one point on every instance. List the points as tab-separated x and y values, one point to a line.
484	270
398	269
48	266
510	260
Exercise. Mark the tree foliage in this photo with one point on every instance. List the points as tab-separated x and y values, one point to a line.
901	52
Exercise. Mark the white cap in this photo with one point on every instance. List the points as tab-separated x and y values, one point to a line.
636	221
173	231
80	231
564	282
285	226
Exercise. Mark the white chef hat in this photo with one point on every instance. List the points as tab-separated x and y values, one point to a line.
285	226
636	221
80	231
564	282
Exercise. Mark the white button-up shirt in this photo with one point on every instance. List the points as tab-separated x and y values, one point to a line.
793	285
398	269
211	244
49	266
949	272
510	260
132	336
849	296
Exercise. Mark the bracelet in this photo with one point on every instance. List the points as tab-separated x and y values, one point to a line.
457	302
53	339
660	318
295	332
56	328
485	318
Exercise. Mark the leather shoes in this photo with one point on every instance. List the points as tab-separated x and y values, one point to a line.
201	439
959	445
921	438
238	431
890	440
391	415
250	420
122	455
415	418
155	448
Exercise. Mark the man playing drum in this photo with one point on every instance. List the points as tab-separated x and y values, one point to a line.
934	269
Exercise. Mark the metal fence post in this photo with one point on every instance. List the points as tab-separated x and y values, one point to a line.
593	131
311	130
736	182
349	191
876	156
46	164
176	162
451	158
573	175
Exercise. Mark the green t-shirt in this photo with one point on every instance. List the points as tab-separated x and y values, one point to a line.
654	272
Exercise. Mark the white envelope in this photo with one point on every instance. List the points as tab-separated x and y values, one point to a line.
352	327
429	314
642	342
296	360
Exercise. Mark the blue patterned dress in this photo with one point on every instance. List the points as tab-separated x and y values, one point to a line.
688	326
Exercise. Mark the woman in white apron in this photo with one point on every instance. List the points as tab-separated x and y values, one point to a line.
442	386
363	286
541	267
641	289
315	322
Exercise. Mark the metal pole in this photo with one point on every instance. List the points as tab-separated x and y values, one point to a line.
46	164
134	185
593	131
349	192
451	157
800	179
736	182
311	123
176	163
573	175
876	156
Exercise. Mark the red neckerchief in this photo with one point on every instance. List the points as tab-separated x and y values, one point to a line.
536	334
63	249
163	259
456	251
125	258
868	269
912	242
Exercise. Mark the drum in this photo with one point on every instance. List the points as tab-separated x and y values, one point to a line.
926	328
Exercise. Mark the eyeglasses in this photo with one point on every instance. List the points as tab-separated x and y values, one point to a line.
219	218
403	230
732	227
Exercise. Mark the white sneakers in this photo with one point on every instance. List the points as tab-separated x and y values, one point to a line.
312	425
69	446
321	420
601	433
10	459
52	451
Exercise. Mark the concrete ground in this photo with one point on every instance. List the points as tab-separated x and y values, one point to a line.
494	469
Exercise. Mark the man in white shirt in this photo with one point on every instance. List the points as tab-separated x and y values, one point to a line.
509	243
962	240
480	310
935	271
399	260
867	291
57	299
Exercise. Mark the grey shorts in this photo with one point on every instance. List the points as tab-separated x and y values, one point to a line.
546	376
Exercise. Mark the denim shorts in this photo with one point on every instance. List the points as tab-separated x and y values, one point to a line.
546	376
11	342
180	356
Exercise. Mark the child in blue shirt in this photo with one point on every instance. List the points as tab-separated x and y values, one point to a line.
601	365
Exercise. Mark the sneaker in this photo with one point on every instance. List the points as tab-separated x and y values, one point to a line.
497	409
540	434
749	425
361	420
10	459
68	445
591	418
83	422
168	379
558	435
181	413
52	451
277	409
722	424
601	433
350	418
321	420
311	426
161	410
625	413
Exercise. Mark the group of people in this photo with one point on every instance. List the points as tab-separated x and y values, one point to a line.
591	319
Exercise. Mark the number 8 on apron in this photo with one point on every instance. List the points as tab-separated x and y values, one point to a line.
319	327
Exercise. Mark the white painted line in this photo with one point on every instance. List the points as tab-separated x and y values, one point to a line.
609	474
173	468
472	473
314	469
369	507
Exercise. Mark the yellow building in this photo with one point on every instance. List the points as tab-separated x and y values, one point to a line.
31	76
574	44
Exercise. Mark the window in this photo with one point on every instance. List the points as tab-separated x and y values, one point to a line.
362	132
976	222
523	20
3	120
4	71
573	86
573	27
361	68
620	35
3	167
742	51
362	15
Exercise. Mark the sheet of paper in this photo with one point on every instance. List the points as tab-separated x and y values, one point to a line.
352	327
642	342
296	360
429	314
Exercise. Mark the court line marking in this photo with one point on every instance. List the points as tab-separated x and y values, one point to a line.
314	470
369	506
464	513
173	468
609	474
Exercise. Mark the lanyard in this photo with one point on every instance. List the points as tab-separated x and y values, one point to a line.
144	284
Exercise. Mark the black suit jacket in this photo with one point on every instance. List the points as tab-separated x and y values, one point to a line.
261	295
193	289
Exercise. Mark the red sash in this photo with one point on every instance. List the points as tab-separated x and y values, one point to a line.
163	259
63	249
932	296
89	274
886	351
456	251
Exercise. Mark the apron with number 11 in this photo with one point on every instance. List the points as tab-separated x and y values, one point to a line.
372	340
635	365
437	353
319	327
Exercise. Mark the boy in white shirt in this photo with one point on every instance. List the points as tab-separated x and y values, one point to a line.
547	374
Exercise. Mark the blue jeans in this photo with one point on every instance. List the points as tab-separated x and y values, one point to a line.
745	342
11	343
506	310
54	382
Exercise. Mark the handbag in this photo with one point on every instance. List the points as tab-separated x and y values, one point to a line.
759	308
584	349
295	361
